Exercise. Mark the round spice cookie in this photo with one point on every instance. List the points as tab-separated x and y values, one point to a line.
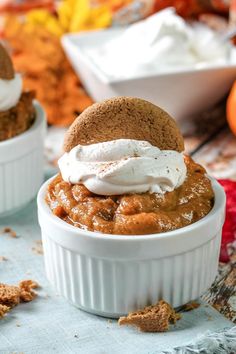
124	118
6	67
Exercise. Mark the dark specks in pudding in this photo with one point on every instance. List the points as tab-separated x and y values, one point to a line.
106	215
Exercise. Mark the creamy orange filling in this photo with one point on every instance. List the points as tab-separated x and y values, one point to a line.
133	214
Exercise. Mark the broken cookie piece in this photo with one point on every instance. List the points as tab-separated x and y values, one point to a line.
156	318
11	295
26	292
3	310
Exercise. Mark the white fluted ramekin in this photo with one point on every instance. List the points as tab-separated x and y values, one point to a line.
21	166
111	275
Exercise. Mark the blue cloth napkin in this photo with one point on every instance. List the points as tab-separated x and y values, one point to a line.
51	325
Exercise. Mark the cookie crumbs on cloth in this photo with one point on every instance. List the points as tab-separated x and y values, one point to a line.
11	295
156	318
3	310
38	248
26	292
2	259
8	230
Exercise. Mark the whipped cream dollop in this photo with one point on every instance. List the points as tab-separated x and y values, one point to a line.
164	42
10	92
123	166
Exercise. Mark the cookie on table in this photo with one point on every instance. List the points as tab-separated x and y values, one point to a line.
125	118
155	318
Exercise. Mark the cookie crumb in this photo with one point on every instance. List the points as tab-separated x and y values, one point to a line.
6	230
11	295
28	284
26	292
3	259
38	249
11	232
3	310
156	318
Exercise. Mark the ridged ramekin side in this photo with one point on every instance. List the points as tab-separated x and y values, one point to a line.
21	166
115	287
20	180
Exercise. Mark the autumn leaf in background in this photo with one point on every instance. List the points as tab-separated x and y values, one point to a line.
79	15
38	55
71	16
35	36
24	5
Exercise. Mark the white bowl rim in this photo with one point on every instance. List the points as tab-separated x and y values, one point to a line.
40	115
220	199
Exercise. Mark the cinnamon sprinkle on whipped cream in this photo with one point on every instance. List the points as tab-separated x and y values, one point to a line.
123	166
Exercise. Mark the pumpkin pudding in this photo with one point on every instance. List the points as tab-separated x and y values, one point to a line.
120	184
132	214
17	112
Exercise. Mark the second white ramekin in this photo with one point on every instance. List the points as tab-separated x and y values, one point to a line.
21	166
111	275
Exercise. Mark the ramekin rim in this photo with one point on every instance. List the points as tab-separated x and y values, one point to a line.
220	199
40	115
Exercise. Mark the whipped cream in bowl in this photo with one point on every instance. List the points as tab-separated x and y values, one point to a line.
123	166
161	43
10	92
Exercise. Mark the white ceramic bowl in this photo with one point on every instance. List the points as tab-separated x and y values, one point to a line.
21	166
110	275
181	94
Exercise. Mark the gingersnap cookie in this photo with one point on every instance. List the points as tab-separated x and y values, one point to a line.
156	318
124	118
11	296
6	67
